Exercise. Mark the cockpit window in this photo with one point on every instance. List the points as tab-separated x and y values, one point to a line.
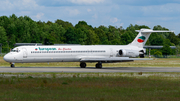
15	50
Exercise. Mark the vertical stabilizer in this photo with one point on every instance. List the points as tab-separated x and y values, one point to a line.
142	37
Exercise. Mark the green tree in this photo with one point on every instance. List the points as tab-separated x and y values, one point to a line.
173	38
52	33
167	41
113	34
81	35
102	36
3	37
132	32
92	38
166	50
163	34
105	29
3	40
158	54
82	31
46	32
138	27
35	33
22	32
71	37
83	24
24	29
178	35
155	39
125	38
177	50
59	32
11	32
4	21
64	24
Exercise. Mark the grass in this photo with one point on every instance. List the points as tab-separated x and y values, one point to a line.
92	87
162	62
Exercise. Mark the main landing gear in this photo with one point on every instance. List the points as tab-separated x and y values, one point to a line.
83	65
99	65
12	65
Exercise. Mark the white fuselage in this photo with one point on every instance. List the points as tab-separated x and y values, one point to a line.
33	54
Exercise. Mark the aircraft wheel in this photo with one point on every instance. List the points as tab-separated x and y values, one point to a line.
12	65
98	65
83	65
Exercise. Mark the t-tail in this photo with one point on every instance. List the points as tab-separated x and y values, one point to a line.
143	36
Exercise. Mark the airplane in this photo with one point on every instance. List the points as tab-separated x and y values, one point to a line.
82	53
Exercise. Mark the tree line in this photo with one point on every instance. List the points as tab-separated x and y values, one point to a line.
23	29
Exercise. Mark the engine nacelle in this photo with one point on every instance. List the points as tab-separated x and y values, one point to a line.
128	53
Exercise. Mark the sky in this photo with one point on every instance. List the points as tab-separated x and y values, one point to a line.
99	12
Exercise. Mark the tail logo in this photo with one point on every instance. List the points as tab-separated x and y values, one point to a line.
141	39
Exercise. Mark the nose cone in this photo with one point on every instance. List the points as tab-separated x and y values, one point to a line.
8	58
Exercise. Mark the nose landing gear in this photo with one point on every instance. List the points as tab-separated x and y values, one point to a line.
12	65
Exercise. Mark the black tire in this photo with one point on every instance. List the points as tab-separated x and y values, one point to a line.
83	65
98	65
12	65
141	55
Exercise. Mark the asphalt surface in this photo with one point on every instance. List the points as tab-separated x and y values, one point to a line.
88	69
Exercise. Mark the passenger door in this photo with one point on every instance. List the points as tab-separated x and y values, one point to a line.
25	53
111	52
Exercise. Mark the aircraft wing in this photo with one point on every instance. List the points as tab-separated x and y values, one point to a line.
111	59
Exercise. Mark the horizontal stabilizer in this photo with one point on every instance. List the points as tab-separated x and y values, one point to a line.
151	31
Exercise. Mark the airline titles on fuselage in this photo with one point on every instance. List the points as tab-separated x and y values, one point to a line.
48	49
